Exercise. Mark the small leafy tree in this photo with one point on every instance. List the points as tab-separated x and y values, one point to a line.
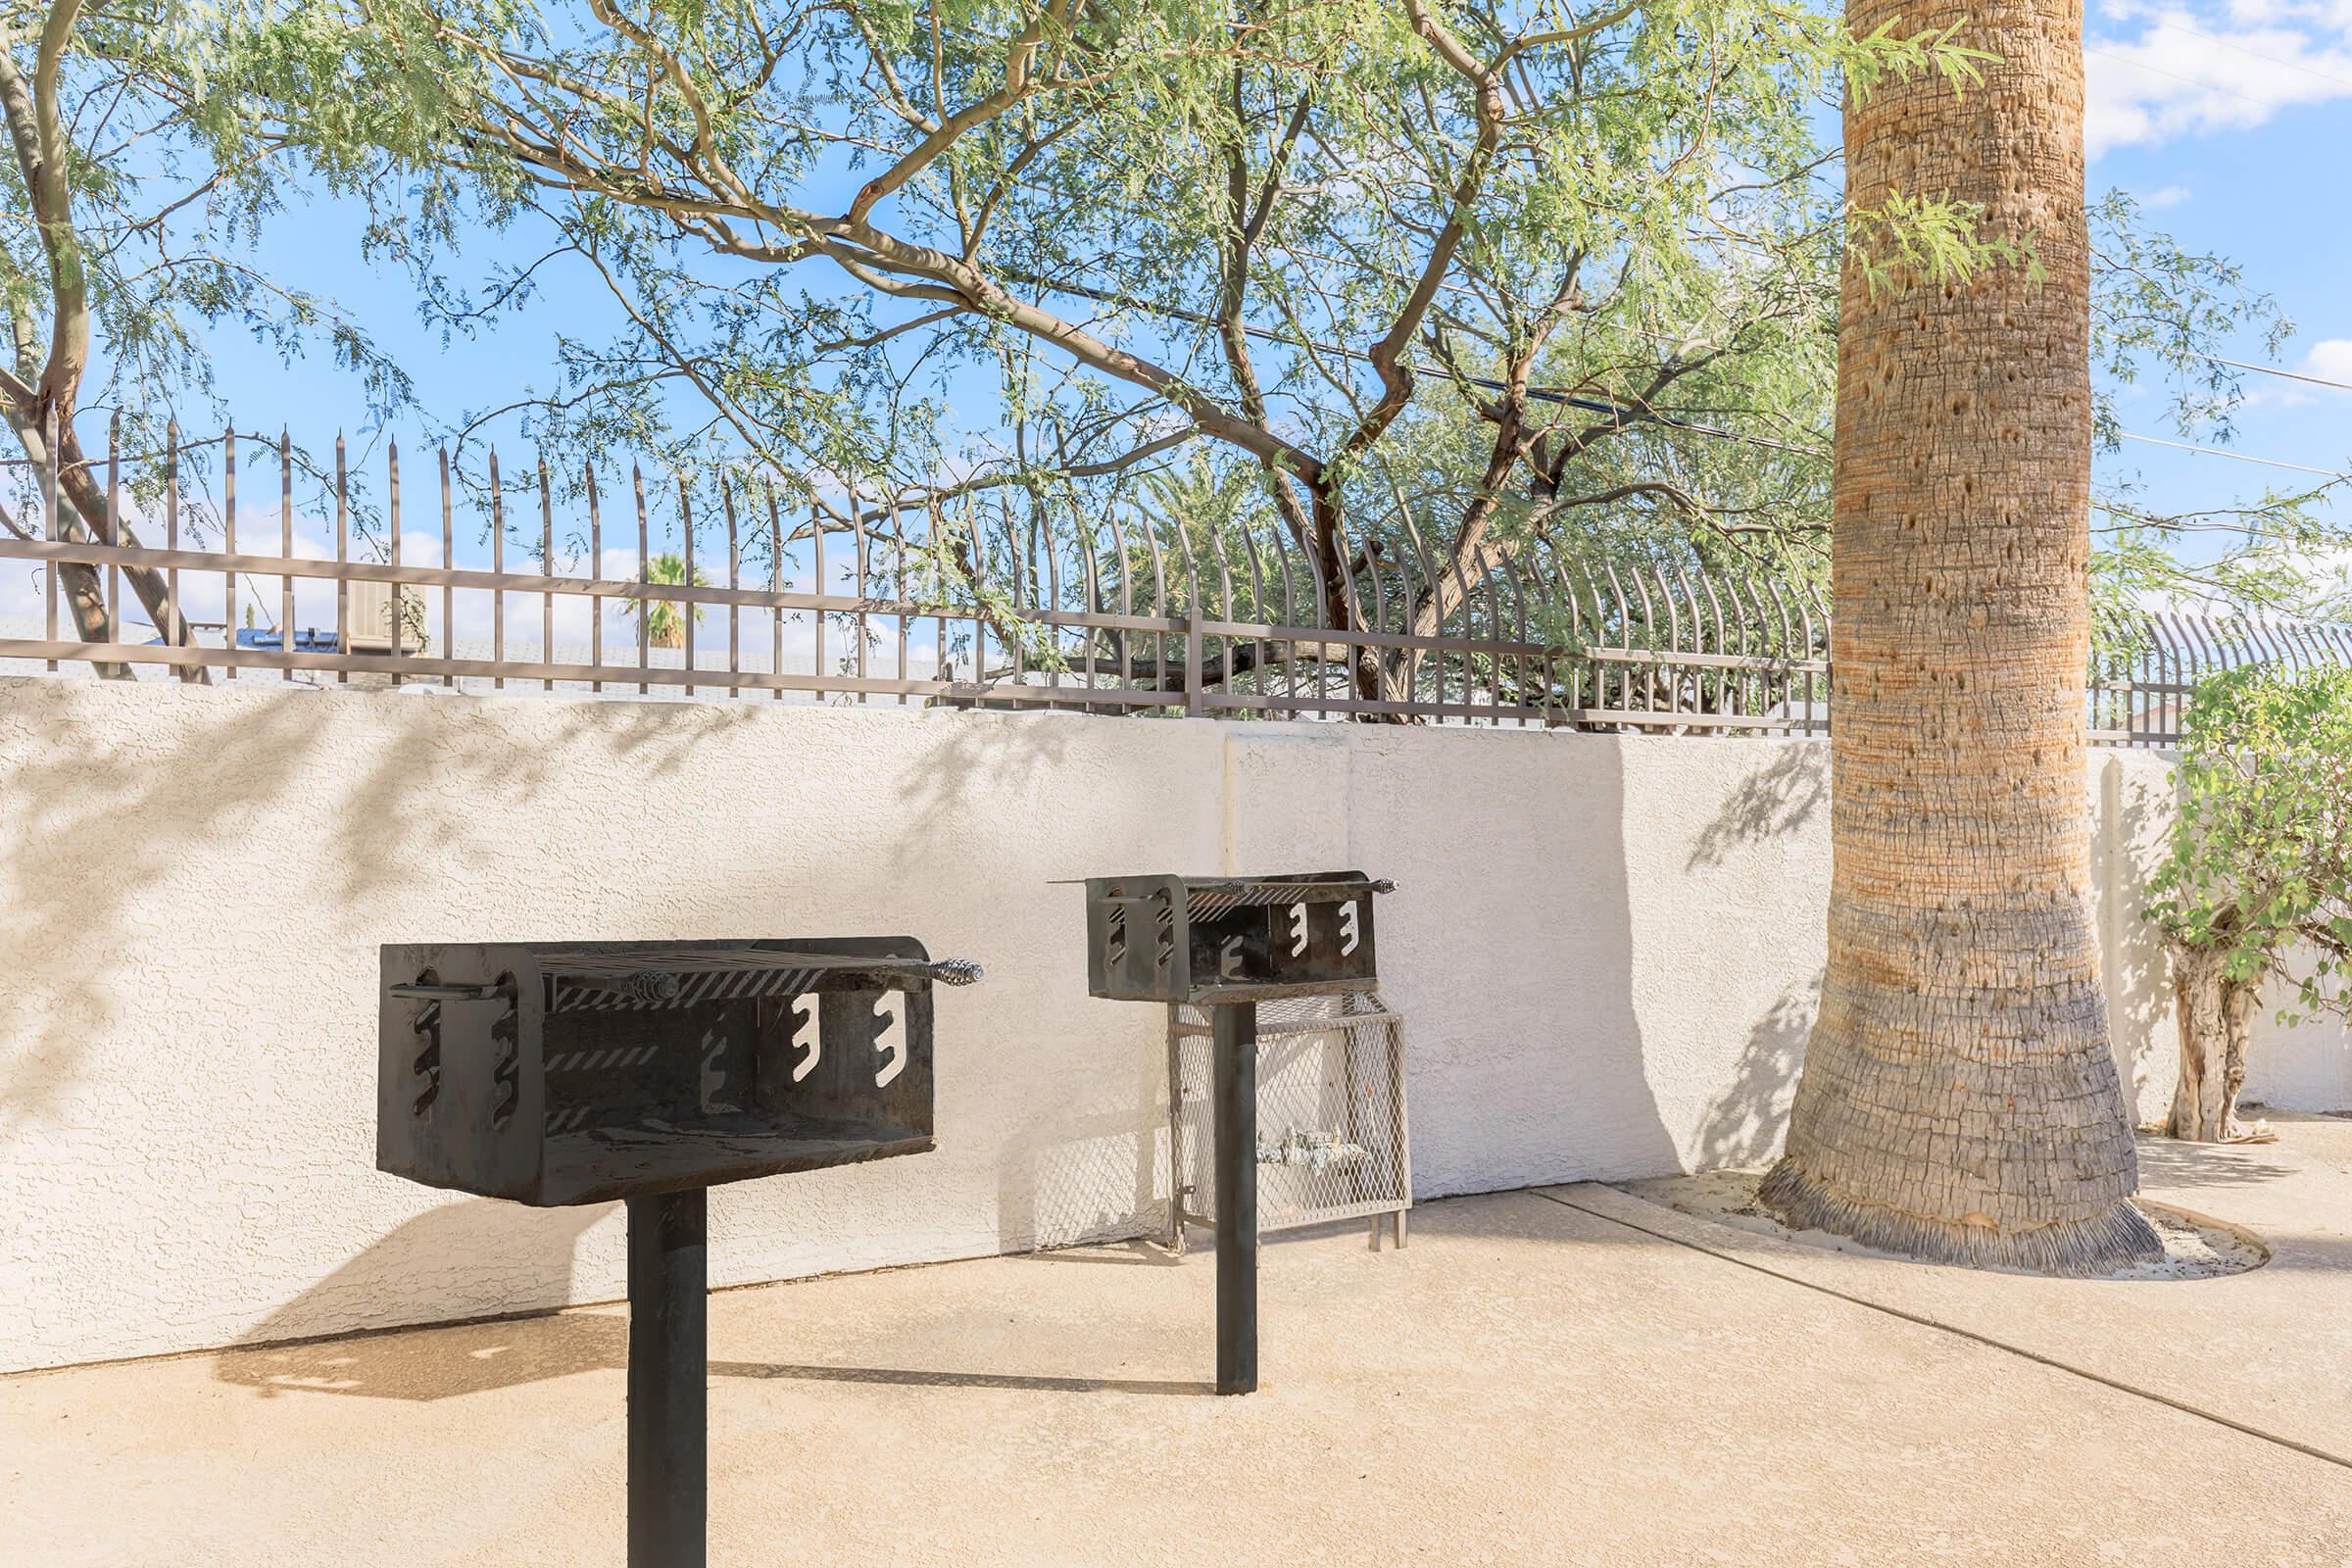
2260	880
665	625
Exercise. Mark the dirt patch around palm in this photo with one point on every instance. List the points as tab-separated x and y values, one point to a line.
2195	1247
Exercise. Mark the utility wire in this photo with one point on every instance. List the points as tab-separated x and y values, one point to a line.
2272	370
2234	457
2194	82
2230	43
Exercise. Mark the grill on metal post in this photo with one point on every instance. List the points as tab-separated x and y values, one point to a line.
1224	945
556	1073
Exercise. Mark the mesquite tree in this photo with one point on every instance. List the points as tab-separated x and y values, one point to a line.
1303	236
2259	883
1960	1100
149	144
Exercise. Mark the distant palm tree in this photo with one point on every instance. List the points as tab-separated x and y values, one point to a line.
664	626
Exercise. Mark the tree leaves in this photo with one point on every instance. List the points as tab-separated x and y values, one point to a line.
2260	862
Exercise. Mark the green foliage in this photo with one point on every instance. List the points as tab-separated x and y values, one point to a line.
154	144
665	625
2261	865
1912	240
1508	274
2162	313
1333	242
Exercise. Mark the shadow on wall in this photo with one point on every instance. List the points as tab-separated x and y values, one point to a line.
1090	1175
1776	799
407	819
1508	950
524	1253
90	835
2135	825
1744	1122
978	763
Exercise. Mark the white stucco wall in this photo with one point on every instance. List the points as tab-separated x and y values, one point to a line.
1607	950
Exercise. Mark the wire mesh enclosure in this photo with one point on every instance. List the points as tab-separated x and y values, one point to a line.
1332	1139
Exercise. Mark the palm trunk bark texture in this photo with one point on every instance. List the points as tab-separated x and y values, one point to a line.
1960	1100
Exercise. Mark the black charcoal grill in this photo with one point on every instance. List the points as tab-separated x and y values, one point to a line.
580	1072
1226	944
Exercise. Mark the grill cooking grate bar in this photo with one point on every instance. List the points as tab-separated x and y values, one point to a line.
1205	901
681	978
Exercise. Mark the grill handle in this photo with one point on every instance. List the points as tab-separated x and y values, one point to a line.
652	986
955	971
419	991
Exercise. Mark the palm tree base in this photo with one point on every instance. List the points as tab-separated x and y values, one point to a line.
2100	1243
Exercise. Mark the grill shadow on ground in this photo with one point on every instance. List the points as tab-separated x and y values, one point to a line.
1127	1254
424	1365
917	1378
436	1363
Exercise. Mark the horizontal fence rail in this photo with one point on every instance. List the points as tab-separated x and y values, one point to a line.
720	595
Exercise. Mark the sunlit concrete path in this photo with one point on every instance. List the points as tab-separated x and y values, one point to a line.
1529	1382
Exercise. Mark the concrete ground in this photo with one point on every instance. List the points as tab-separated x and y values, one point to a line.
1567	1376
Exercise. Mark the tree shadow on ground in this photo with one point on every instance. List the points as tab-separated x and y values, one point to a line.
2172	1163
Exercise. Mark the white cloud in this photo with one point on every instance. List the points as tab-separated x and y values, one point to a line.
2157	73
2167	196
2330	360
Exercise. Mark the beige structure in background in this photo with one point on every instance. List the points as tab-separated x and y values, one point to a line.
1605	949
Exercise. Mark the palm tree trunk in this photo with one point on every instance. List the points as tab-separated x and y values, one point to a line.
1960	1100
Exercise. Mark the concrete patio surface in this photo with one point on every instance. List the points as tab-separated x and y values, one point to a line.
1567	1376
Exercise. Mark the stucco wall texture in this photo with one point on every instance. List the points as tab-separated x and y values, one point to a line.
1606	950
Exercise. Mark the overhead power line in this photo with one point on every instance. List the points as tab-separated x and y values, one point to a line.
2232	43
2272	370
2234	457
2197	82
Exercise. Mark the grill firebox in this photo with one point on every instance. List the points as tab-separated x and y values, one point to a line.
556	1073
1229	939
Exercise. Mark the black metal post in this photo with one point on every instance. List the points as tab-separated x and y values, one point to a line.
1234	1036
670	1350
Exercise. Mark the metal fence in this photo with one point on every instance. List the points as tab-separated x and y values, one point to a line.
981	602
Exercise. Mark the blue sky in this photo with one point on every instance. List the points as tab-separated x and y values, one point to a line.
2229	121
2232	124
